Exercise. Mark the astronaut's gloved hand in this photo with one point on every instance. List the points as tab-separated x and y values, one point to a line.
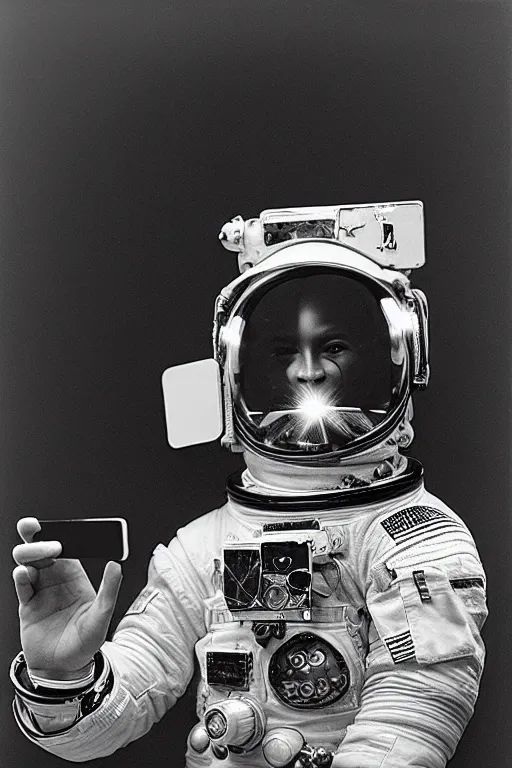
63	621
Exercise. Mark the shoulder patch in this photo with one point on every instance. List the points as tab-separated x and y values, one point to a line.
412	522
141	602
401	647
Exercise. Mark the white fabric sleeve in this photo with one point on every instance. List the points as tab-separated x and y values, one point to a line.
152	658
426	600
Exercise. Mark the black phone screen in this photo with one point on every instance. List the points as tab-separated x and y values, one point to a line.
105	538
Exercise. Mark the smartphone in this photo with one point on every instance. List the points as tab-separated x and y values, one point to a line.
99	537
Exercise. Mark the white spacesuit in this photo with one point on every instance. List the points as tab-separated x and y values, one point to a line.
333	604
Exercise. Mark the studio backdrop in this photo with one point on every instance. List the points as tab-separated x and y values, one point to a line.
130	133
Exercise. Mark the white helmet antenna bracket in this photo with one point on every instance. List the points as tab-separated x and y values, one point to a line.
390	234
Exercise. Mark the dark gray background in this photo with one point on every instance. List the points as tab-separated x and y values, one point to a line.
129	136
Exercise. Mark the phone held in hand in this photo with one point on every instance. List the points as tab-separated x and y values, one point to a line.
104	538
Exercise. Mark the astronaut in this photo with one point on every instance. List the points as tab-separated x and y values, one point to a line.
333	604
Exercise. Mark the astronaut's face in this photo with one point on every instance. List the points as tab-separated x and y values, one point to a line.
316	355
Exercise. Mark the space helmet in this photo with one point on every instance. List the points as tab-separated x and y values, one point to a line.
320	341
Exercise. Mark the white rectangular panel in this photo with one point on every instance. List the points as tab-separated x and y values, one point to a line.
193	403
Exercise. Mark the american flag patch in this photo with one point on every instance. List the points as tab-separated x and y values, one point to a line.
411	522
401	647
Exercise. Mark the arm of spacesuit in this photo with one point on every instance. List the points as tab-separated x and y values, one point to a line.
151	656
426	600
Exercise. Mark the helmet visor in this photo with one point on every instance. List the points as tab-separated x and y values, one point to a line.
315	370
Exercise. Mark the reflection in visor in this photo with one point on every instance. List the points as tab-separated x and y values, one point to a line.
314	419
315	364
